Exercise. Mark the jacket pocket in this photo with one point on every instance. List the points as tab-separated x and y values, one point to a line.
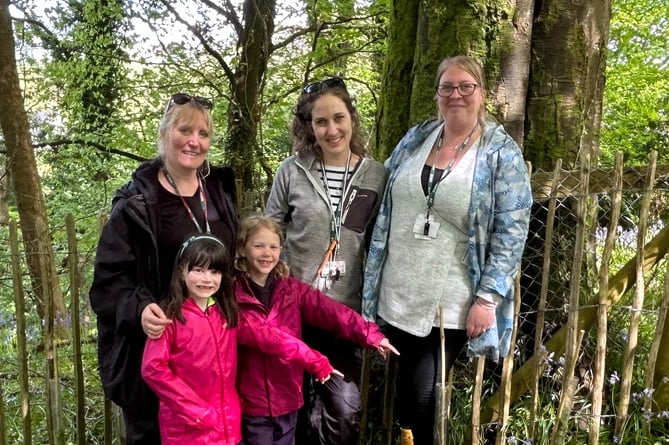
360	204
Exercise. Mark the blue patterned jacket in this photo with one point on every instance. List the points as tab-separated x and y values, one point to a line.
498	224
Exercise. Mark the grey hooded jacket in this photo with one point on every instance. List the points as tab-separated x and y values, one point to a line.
298	201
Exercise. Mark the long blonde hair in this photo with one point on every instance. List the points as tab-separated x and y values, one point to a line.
248	227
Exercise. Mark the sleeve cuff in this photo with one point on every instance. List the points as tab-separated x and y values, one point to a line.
490	297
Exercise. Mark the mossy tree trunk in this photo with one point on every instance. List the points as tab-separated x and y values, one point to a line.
567	83
24	179
246	83
422	33
396	85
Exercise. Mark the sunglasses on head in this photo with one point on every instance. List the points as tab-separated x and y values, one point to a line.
317	87
183	98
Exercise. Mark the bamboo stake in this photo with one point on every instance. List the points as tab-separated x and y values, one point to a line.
449	400
73	258
476	400
655	348
637	305
109	430
572	345
3	419
109	411
20	303
507	370
364	393
389	398
539	349
567	396
440	411
602	312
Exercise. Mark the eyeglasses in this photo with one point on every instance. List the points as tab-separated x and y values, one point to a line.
465	89
317	87
183	98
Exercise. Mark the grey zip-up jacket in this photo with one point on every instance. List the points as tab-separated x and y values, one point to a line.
298	201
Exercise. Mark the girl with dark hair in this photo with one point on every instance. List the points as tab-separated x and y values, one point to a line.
192	367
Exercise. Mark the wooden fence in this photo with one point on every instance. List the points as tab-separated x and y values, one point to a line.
568	232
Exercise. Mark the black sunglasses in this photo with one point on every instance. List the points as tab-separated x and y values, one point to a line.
317	87
183	98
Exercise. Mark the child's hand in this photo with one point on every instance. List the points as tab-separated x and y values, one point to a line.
385	346
327	377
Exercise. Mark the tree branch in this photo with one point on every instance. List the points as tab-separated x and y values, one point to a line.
227	11
208	48
99	147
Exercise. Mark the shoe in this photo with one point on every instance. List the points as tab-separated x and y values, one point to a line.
406	436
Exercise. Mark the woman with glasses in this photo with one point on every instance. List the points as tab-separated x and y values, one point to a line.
325	197
170	198
449	235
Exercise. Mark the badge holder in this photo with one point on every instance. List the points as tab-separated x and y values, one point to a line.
425	227
329	271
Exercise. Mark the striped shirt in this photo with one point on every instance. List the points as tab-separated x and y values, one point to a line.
333	181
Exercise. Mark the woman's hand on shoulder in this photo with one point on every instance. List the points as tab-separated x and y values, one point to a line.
385	347
154	321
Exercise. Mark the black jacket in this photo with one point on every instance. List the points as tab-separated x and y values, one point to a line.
127	274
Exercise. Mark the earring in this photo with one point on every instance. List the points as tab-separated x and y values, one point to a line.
205	169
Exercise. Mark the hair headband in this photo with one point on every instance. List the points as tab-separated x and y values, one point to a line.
194	238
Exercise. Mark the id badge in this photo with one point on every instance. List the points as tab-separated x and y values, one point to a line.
425	228
334	269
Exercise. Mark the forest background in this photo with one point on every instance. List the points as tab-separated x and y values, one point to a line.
83	85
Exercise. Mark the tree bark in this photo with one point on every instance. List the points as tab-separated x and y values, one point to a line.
567	83
393	112
509	93
246	86
25	182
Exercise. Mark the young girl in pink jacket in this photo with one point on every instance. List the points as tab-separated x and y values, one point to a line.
192	366
271	388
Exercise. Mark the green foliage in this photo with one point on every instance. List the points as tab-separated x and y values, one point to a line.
636	98
96	78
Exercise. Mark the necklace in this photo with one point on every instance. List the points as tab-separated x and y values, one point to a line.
457	147
203	201
431	183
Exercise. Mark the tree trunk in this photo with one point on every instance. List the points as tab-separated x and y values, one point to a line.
244	112
22	170
422	33
567	83
393	112
508	95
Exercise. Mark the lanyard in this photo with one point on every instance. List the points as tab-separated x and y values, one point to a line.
203	201
431	184
336	213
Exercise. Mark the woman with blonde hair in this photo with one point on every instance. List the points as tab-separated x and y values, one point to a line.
176	195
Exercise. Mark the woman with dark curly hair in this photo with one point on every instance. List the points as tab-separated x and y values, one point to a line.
326	197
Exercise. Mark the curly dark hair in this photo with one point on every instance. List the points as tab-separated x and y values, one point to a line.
304	140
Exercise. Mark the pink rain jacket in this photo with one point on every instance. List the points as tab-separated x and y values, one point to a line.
192	368
269	385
